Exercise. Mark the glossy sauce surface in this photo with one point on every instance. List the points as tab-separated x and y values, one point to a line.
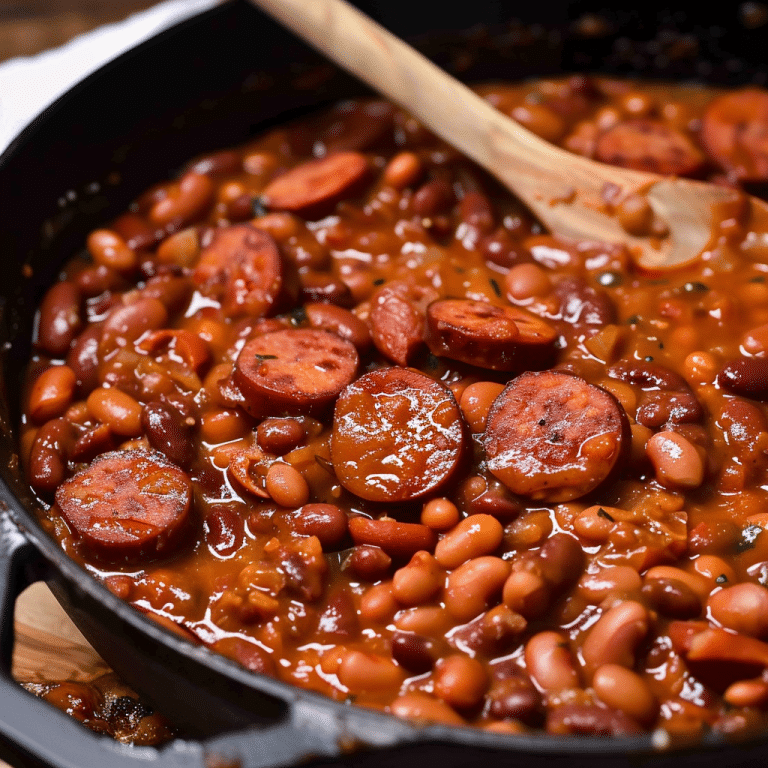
337	408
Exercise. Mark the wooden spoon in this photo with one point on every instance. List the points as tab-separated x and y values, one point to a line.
570	194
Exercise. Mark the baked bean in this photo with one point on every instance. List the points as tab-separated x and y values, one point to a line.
48	455
676	461
590	720
526	593
693	581
59	319
615	635
168	432
471	588
742	608
222	425
286	485
83	359
360	672
110	250
541	120
613	579
181	248
127	322
561	560
516	698
672	598
476	401
714	569
413	652
378	604
550	663
432	197
326	521
473	537
403	170
440	514
747	693
421	707
747	376
625	691
117	409
185	201
418	581
460	681
52	393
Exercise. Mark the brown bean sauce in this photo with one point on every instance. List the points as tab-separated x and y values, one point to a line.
578	543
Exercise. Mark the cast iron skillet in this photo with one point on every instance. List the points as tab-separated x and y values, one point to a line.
211	82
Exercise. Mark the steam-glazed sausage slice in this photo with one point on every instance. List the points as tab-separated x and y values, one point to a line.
294	371
647	145
240	267
397	319
479	333
397	435
316	184
734	131
554	437
127	505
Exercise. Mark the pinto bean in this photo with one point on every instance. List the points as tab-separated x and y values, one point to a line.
554	437
361	672
550	663
418	581
614	637
460	681
472	587
676	461
286	485
52	393
624	690
397	435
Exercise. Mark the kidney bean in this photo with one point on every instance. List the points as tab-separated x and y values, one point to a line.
672	598
676	461
481	496
516	698
460	681
326	521
338	618
582	306
471	588
362	672
473	537
340	321
186	201
658	408
403	170
127	322
418	581
525	281
625	691
589	720
541	120
59	320
168	432
279	436
83	359
421	707
247	653
648	375
224	163
440	514
370	563
432	197
51	393
378	604
117	409
615	635
135	231
286	485
549	662
224	532
561	560
747	377
413	652
693	581
110	250
742	608
173	291
90	444
395	538
48	456
476	212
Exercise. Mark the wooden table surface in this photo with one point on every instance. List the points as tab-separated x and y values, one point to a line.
30	26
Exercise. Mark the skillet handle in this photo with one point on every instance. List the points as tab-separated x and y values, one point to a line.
35	734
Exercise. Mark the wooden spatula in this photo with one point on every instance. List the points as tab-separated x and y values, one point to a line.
570	194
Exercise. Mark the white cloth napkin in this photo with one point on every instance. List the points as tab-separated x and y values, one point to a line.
29	84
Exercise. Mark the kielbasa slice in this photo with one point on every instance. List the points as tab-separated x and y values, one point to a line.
553	437
397	319
734	131
294	372
241	267
397	435
127	505
317	184
481	334
648	145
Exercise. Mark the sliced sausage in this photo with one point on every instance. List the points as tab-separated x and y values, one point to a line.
554	437
316	185
481	334
241	267
397	435
648	145
127	504
397	319
294	372
734	131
